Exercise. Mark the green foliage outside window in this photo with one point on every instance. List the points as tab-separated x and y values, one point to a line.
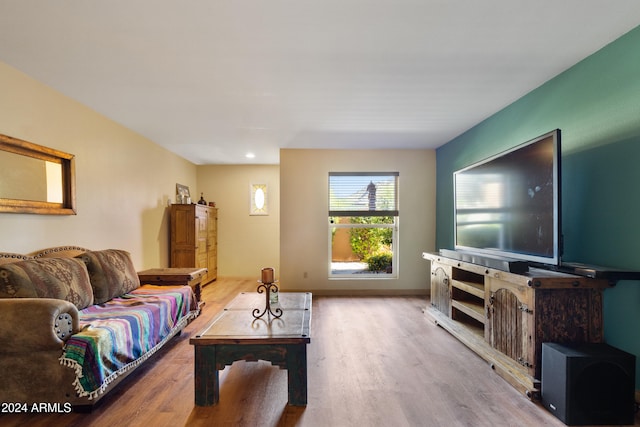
380	262
372	245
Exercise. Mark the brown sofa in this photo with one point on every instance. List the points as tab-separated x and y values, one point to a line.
75	322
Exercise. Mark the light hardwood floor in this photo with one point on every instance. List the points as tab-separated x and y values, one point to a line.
372	361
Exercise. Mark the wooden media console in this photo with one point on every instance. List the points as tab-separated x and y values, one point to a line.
505	317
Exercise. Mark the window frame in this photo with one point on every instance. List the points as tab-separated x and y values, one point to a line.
392	213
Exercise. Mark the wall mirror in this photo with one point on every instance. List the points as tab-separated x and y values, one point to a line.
36	179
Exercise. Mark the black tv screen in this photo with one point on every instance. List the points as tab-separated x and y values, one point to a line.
509	205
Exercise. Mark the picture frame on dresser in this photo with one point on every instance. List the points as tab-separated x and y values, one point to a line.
183	195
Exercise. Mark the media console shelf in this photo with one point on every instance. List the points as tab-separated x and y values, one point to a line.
505	317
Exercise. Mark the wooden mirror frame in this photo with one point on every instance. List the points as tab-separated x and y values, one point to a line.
29	149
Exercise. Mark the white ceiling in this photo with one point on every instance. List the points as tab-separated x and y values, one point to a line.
214	79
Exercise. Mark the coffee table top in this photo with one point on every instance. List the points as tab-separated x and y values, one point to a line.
236	324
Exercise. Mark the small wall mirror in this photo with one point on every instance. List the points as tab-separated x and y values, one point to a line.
35	179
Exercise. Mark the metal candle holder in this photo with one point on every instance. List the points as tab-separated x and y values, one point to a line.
267	289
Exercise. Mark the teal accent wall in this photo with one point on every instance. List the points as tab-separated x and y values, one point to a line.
596	104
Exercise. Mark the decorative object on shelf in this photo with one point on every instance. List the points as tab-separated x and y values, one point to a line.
270	289
212	204
183	196
202	201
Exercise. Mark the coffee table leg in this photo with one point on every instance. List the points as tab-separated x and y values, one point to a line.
297	374
207	383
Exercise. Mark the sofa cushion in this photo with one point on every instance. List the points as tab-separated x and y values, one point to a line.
59	278
111	272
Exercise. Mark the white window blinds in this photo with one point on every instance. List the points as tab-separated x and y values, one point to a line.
363	193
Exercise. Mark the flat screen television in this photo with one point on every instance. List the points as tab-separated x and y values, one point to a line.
509	205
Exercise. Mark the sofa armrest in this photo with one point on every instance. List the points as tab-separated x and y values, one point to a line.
36	324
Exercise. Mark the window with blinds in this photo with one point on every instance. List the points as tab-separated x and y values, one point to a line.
363	225
363	194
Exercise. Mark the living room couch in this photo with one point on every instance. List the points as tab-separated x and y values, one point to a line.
75	322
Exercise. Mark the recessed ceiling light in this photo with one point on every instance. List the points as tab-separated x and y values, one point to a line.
250	155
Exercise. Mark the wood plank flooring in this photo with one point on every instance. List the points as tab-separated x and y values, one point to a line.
372	361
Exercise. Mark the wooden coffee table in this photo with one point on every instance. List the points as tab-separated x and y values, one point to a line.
236	335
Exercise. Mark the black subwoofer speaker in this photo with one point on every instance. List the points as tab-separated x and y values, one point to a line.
588	383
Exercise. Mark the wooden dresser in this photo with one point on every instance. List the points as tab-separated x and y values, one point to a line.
194	238
505	317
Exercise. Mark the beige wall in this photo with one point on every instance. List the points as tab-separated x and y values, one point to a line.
124	182
246	243
123	179
304	237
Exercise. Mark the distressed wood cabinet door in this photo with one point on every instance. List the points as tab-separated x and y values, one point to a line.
440	288
510	322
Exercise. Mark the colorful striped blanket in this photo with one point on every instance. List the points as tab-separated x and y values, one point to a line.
122	333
